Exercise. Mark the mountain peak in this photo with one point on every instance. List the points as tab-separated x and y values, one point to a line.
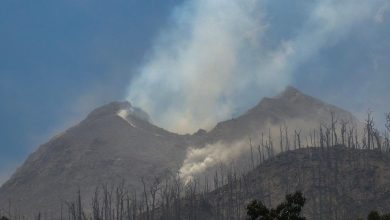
119	108
289	92
109	109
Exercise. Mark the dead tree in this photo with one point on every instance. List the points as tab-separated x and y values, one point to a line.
281	138
153	190
262	143
79	207
146	199
177	196
96	205
334	140
286	137
378	139
343	131
369	129
259	154
270	143
263	148
297	139
134	206
387	132
120	198
388	121
252	160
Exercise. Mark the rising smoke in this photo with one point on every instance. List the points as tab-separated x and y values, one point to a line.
200	160
212	59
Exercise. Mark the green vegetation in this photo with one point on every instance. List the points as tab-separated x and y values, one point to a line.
290	209
374	215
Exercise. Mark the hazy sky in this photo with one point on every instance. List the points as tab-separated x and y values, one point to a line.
61	59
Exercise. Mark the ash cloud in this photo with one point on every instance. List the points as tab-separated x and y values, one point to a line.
211	61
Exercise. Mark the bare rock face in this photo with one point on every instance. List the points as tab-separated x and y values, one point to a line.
117	142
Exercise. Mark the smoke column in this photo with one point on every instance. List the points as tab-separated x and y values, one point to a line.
211	61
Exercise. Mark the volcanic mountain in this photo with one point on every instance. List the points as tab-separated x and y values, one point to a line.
113	143
116	142
291	108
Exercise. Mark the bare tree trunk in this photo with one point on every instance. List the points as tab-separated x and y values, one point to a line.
79	207
286	136
146	200
281	139
153	190
252	161
334	140
270	142
343	131
369	129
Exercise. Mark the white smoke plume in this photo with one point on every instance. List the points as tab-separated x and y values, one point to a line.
211	60
202	161
199	160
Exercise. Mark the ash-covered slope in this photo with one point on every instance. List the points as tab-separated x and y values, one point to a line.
291	108
115	141
338	182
